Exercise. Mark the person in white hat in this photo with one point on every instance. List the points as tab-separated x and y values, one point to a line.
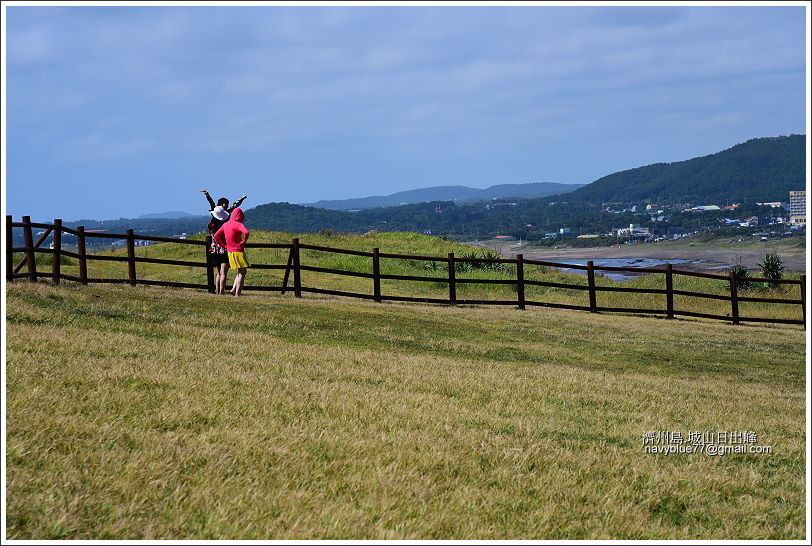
223	202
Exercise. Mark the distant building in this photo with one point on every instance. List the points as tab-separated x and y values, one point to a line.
706	207
797	208
633	231
773	204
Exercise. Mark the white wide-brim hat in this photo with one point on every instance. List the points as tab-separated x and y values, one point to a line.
220	213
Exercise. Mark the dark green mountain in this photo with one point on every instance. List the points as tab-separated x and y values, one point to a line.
761	169
447	193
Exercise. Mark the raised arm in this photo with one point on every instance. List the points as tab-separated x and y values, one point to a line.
237	203
211	201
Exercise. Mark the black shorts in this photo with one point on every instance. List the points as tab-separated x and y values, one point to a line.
217	259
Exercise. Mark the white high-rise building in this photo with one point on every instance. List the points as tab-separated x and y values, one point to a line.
797	208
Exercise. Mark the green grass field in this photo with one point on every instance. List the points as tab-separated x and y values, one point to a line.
147	413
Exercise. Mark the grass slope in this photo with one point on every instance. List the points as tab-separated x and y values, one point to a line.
140	413
415	244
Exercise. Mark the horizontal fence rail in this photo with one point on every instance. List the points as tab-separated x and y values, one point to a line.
294	265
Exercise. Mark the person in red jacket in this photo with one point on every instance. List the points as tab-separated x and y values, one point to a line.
233	236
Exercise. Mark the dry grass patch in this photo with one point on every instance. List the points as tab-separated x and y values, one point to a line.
140	413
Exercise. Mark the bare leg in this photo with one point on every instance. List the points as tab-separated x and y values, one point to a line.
221	278
239	281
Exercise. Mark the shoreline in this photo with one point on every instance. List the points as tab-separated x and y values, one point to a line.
708	258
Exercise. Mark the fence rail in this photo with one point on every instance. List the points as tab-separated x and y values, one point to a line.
31	248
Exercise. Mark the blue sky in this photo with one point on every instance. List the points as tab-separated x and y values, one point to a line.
120	111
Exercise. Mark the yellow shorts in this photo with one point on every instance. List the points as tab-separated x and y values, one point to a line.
237	260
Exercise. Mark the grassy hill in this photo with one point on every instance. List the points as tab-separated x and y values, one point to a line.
148	413
143	413
411	243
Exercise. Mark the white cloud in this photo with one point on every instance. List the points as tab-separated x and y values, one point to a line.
234	78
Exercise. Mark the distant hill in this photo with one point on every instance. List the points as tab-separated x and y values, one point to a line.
299	218
170	214
761	169
447	193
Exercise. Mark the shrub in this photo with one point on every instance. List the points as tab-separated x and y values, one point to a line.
484	253
492	255
462	267
741	273
760	286
772	267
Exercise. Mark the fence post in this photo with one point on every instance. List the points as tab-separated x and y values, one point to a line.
9	252
131	256
734	299
56	263
520	279
297	272
376	275
669	291
452	279
803	299
210	265
29	244
287	271
82	251
590	273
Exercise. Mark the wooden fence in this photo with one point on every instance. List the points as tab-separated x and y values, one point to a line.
295	266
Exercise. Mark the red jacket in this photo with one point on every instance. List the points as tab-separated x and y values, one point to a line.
233	234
